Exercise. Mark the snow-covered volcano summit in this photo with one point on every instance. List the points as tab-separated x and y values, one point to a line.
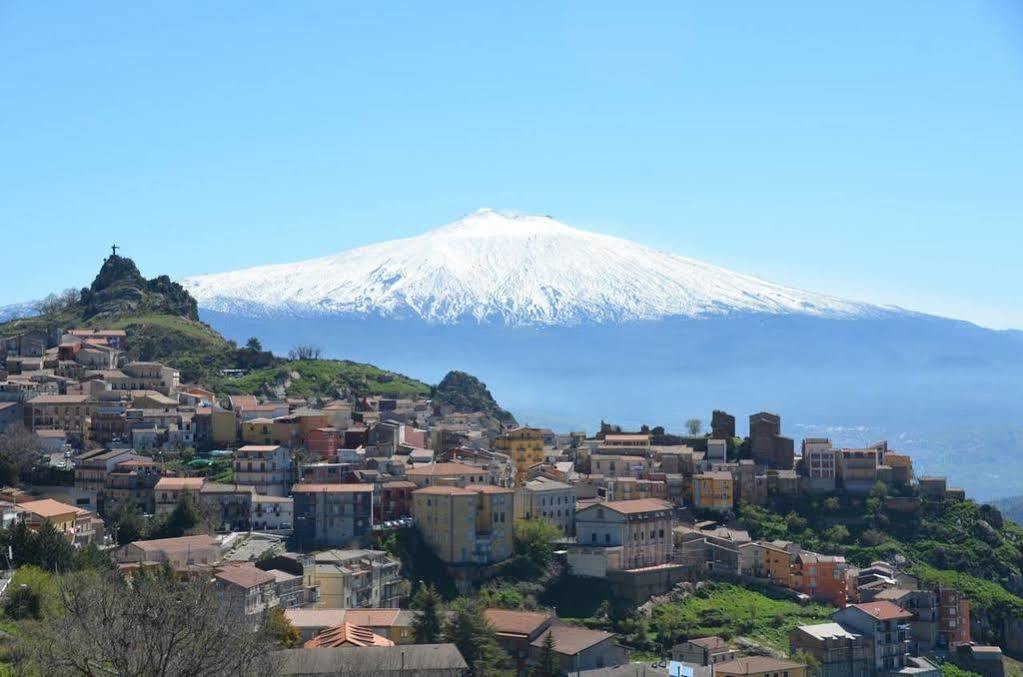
508	269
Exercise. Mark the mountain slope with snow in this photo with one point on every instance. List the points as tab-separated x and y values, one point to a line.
508	269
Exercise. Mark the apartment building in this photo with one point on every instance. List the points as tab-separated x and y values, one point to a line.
349	579
620	535
524	446
713	490
77	524
168	490
819	468
265	467
332	515
886	627
839	651
857	469
466	525
549	500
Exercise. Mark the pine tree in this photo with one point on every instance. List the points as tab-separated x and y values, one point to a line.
548	665
468	629
427	626
53	551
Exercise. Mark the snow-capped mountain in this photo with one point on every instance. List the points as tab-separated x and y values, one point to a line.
509	269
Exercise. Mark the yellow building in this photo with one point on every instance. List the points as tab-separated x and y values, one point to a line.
525	448
224	426
258	431
471	525
74	522
713	491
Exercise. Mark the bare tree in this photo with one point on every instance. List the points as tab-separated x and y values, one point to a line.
155	627
56	303
20	449
304	352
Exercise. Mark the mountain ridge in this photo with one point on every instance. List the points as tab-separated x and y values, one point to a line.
511	269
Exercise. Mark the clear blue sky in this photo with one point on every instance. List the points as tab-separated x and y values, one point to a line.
871	150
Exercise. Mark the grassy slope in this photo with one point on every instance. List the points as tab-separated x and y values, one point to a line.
730	611
325	378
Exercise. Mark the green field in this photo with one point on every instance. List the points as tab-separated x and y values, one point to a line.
326	378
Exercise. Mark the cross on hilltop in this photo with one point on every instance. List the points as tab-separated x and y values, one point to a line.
113	249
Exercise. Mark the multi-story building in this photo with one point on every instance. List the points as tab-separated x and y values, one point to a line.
93	467
275	514
886	626
953	617
332	515
466	525
246	590
525	448
349	579
132	482
548	500
857	469
822	577
168	491
266	468
819	468
258	431
447	474
713	490
70	413
619	465
77	524
631	488
839	651
394	500
620	535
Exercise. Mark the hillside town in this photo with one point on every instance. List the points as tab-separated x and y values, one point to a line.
292	507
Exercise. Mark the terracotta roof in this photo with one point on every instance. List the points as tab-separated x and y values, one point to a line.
753	665
433	469
516	622
883	610
48	507
413	659
637	505
244	576
708	642
570	640
330	488
347	634
180	484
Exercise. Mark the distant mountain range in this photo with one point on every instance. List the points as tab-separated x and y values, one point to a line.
509	269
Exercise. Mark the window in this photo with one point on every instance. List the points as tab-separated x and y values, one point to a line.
607	538
593	538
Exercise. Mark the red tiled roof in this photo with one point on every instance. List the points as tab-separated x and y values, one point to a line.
245	576
347	634
433	469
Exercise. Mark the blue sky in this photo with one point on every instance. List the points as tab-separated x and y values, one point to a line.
870	150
